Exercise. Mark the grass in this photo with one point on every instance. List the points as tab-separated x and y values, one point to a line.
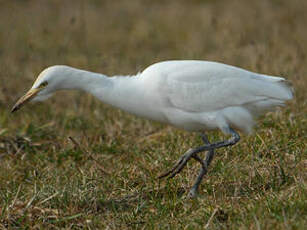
74	163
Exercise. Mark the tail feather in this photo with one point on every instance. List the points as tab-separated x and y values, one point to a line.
280	87
275	91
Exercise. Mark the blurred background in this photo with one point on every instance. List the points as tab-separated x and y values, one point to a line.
123	37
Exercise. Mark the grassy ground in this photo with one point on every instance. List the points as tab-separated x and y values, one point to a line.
104	176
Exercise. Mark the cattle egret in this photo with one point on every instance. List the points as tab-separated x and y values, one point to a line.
188	94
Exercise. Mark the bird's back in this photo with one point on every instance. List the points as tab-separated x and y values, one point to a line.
211	93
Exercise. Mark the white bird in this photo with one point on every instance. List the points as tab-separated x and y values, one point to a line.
188	94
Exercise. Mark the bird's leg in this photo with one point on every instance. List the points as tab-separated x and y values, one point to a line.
184	159
205	163
209	157
180	164
203	170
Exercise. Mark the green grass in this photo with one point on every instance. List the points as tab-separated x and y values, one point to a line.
74	163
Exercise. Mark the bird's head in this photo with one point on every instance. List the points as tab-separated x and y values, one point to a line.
43	88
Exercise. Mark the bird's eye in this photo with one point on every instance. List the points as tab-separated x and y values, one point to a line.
43	84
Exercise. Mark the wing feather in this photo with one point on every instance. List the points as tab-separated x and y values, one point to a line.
202	86
196	87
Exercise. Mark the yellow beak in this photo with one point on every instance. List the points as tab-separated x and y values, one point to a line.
30	94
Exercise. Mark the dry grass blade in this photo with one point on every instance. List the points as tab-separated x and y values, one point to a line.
211	218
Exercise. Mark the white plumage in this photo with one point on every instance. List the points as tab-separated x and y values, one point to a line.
192	95
201	95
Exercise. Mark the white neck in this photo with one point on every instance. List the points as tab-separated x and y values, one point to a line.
122	92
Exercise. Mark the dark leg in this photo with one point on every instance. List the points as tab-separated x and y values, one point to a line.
203	170
205	163
184	160
180	164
